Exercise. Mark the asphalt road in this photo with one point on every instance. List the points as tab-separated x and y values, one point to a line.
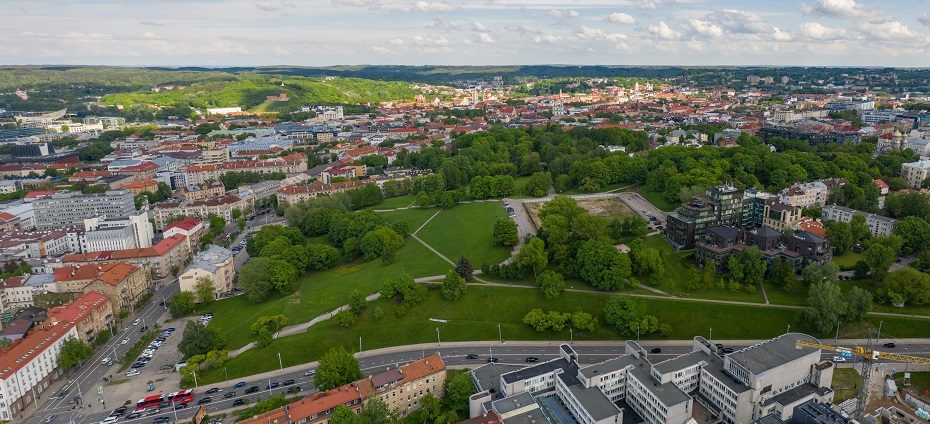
452	356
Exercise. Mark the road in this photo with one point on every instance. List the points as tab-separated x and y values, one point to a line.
454	355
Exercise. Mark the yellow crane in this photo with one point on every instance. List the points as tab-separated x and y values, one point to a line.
868	355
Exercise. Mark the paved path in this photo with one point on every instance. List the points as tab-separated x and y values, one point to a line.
427	222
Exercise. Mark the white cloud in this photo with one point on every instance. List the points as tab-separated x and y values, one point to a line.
420	40
374	4
478	26
817	31
272	6
705	28
522	29
597	34
558	13
444	24
396	41
663	31
382	50
150	35
548	39
621	18
891	30
847	9
485	38
438	6
748	23
924	19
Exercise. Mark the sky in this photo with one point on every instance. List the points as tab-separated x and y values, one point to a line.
465	32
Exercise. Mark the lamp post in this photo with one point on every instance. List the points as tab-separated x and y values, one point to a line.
280	362
500	336
571	336
438	341
837	337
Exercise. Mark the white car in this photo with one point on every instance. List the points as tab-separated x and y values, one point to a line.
109	420
132	373
126	340
839	359
137	321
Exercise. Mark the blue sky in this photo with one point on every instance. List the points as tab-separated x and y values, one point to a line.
466	32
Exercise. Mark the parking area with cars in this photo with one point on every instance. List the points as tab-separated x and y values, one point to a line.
146	357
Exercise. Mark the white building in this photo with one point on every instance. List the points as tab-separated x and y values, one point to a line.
215	263
878	225
223	110
131	232
914	173
29	367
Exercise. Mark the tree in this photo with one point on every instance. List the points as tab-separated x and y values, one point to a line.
344	318
453	286
551	284
321	256
751	266
182	304
858	304
826	305
532	256
357	301
464	269
634	226
623	314
647	261
880	254
584	321
264	328
505	232
458	389
254	279
282	275
73	352
377	313
198	340
381	242
205	290
908	286
840	236
336	368
709	276
538	184
404	289
343	415
815	273
914	233
781	272
859	228
602	265
376	411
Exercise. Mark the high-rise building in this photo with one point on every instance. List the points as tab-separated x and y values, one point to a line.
720	205
69	209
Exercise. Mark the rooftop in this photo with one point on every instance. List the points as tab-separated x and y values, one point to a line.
24	350
536	370
772	353
668	393
594	402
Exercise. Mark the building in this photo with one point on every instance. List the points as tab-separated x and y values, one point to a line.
124	284
222	206
206	190
780	216
91	313
799	249
29	366
914	173
69	209
191	228
162	259
720	205
37	244
805	194
878	225
215	263
704	385
130	232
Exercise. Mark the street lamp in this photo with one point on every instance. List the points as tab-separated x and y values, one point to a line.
438	341
500	336
280	363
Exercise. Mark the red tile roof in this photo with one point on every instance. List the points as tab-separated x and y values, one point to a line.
80	308
24	350
184	224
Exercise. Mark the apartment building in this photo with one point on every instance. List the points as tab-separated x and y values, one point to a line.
781	216
37	244
720	205
808	194
703	385
91	313
161	259
215	263
223	206
206	190
69	209
191	228
914	173
294	194
124	284
29	366
130	232
800	249
878	225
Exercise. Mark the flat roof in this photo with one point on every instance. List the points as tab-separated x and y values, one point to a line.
608	366
682	361
715	369
594	402
668	393
536	370
489	376
772	353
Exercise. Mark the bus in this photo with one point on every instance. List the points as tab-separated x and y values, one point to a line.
179	397
153	401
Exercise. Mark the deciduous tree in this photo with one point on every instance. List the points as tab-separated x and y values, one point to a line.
336	368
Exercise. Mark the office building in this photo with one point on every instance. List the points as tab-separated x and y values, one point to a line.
129	232
69	209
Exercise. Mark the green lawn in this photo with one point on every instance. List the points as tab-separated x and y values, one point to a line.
321	292
845	384
395	202
414	217
657	199
519	192
780	296
467	229
847	260
920	381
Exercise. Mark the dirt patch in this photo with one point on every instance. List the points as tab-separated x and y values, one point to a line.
609	208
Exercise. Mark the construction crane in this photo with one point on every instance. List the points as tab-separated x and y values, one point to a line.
868	356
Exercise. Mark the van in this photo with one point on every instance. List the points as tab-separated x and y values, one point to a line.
107	361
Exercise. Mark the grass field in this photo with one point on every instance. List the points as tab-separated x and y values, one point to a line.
780	296
847	260
845	384
920	381
467	229
321	292
414	217
395	202
657	199
477	315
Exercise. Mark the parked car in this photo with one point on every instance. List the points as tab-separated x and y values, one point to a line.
109	420
839	359
49	419
133	372
532	359
471	356
239	402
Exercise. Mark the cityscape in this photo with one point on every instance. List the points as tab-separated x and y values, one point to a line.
476	212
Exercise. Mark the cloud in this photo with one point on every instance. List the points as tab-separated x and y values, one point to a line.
420	40
438	6
485	38
621	18
382	50
816	31
150	35
847	9
548	39
150	23
478	26
273	6
443	24
597	34
372	4
663	31
924	19
704	28
891	30
396	41
743	22
558	13
522	29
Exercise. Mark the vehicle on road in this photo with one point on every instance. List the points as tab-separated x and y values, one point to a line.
181	396
180	406
471	356
309	373
149	402
250	390
133	415
293	389
228	395
143	329
107	361
212	391
727	350
120	411
531	359
109	420
241	384
124	341
239	402
161	420
889	345
273	385
287	382
137	321
655	350
133	372
205	400
492	360
839	359
49	419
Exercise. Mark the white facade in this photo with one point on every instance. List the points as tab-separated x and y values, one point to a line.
133	231
30	377
914	173
878	225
